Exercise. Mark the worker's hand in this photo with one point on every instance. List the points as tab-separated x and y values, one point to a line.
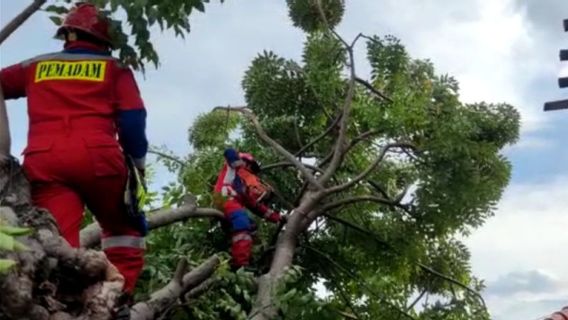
142	174
273	216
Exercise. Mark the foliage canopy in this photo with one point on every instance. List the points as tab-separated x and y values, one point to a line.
375	258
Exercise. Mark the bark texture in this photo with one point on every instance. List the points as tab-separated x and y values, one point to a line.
51	280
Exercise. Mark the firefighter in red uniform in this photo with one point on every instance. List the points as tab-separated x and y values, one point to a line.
237	190
79	101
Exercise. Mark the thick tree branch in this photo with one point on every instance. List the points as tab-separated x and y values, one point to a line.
178	286
20	19
91	235
338	152
275	145
369	169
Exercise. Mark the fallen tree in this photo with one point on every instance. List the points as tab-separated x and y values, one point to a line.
378	177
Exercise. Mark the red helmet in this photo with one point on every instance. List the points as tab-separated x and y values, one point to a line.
87	18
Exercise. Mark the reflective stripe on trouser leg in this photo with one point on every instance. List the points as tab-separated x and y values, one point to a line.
126	253
241	249
241	236
123	241
129	262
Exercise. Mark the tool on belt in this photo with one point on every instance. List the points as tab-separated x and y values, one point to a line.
135	197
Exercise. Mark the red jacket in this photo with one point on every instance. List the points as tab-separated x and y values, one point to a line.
83	90
232	194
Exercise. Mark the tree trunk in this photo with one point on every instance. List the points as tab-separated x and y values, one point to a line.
264	306
50	278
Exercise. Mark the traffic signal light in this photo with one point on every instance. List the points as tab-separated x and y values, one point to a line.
562	81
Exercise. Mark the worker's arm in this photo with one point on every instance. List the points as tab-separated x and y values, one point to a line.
13	81
131	117
250	200
262	210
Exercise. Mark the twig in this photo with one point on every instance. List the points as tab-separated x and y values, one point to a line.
419	264
369	86
352	144
297	132
20	19
356	199
275	145
451	280
276	165
361	282
168	157
367	171
411	306
319	137
379	188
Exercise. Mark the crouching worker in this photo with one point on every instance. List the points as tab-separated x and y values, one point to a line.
79	101
238	190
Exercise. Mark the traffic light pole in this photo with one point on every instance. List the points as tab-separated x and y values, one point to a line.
562	82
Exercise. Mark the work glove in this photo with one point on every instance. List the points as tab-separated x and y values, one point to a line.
273	216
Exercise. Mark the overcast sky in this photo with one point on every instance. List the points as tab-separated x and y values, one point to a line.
499	50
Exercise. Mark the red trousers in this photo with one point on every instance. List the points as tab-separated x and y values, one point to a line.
242	228
70	171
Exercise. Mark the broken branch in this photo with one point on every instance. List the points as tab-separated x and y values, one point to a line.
91	235
168	295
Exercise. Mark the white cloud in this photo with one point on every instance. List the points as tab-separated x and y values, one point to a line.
528	233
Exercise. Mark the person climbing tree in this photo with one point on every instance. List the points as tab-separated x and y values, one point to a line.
237	190
79	101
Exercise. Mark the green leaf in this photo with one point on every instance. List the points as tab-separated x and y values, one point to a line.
15	231
6	242
57	20
6	265
56	9
199	5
